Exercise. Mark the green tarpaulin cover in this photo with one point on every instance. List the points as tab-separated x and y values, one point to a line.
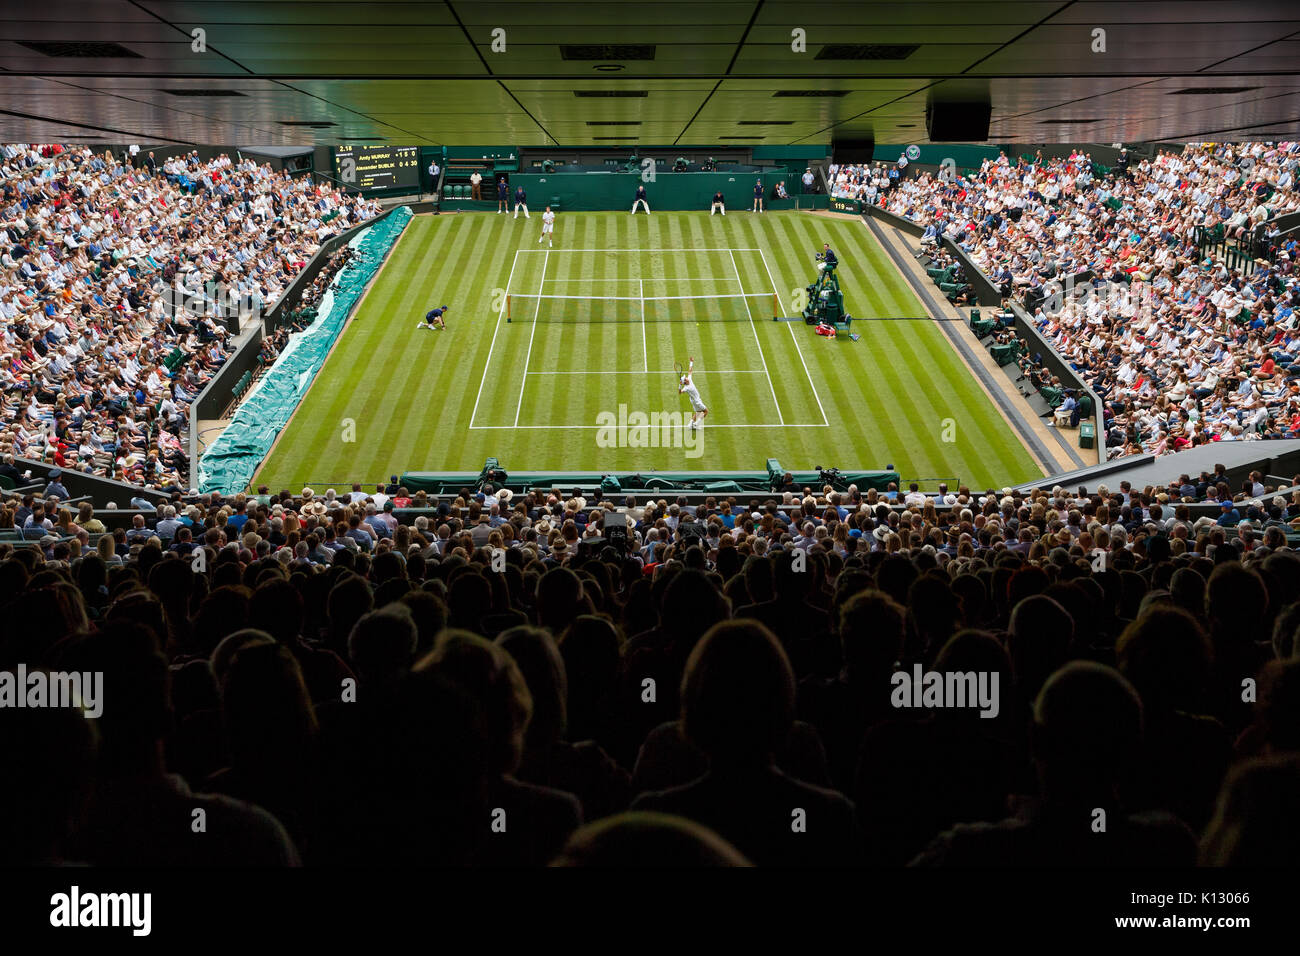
230	462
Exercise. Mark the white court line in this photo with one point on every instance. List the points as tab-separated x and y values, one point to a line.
645	349
772	279
483	428
523	379
654	251
488	364
674	279
666	371
758	343
646	298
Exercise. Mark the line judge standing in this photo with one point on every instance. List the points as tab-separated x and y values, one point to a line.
641	199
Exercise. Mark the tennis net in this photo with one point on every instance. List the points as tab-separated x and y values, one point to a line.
734	307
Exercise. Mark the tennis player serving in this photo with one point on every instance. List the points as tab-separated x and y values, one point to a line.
698	408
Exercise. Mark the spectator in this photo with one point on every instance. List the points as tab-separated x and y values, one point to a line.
1182	350
737	706
366	732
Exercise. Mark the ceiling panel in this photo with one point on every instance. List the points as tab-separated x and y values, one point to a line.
435	72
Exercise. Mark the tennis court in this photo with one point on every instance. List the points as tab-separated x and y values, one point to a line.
545	345
658	312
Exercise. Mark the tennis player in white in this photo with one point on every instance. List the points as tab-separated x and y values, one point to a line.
698	408
548	227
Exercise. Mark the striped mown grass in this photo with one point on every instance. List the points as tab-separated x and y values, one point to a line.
526	378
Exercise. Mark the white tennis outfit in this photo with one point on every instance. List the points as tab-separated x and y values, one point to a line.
548	222
693	393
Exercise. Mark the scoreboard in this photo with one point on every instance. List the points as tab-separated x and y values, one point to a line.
377	167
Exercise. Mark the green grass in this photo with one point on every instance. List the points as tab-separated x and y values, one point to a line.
445	401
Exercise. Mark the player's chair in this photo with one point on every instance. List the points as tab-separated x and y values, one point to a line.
1062	417
555	204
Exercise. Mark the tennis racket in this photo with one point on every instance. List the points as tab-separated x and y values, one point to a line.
677	366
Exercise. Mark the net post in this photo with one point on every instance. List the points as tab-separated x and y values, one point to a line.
776	307
507	309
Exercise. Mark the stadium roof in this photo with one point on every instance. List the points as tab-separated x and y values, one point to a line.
299	72
276	152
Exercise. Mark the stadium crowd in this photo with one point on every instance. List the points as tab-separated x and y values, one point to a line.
304	311
1182	348
868	182
114	275
496	683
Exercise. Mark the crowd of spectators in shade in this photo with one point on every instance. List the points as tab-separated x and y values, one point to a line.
315	290
495	684
113	275
304	311
1182	348
953	282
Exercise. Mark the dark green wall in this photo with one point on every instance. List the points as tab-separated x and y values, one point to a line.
778	153
588	191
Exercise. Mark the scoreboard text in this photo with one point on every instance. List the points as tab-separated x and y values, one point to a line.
377	167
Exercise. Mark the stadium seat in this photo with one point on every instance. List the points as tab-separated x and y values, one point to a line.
1005	354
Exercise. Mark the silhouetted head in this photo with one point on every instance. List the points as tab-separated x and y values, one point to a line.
489	675
266	710
382	643
738	694
538	659
1166	655
1255	822
872	626
642	839
1038	640
1086	732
